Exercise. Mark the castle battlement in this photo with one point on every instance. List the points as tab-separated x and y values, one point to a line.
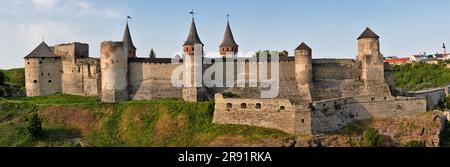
315	95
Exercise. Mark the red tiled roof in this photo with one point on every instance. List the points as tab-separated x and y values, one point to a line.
400	60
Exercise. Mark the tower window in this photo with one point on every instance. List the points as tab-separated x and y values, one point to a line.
40	62
258	106
49	81
35	81
243	105
282	108
229	106
303	120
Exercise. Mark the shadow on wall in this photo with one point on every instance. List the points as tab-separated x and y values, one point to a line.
332	115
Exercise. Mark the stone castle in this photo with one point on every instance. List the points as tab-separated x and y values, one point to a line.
315	95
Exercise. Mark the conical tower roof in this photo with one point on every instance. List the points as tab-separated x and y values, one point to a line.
303	46
127	38
228	38
193	37
368	33
41	51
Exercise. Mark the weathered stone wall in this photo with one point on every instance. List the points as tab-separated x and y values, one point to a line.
339	69
152	81
72	79
114	68
334	114
270	113
42	76
433	96
90	75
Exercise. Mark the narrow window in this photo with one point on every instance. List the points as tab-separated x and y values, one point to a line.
35	81
385	98
282	108
40	62
258	105
372	99
303	120
243	105
49	81
229	105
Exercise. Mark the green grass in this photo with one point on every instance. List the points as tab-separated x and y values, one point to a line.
418	76
15	76
134	123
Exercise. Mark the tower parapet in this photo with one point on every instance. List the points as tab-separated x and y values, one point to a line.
114	68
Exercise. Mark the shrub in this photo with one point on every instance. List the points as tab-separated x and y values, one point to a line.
372	138
414	143
34	127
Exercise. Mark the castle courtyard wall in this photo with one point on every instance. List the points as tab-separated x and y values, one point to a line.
334	114
433	96
152	81
270	113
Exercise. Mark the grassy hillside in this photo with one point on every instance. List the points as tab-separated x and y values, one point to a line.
15	76
419	76
69	119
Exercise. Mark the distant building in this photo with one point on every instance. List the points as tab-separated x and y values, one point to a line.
417	58
398	61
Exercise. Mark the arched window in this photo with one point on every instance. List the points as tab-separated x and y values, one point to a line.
258	106
229	106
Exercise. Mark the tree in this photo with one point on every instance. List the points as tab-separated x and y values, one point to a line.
373	138
34	127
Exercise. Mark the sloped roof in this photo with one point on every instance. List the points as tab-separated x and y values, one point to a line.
193	37
368	33
228	38
127	38
303	46
41	51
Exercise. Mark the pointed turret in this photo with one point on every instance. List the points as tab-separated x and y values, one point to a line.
193	37
303	46
228	44
41	51
128	40
368	33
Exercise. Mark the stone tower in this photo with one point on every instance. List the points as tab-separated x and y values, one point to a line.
193	90
303	71
129	41
114	68
371	64
42	72
228	45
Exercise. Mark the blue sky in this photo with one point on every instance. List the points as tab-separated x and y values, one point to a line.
330	27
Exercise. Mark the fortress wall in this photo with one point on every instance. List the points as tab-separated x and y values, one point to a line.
270	113
91	76
339	69
72	82
152	81
43	76
433	97
334	114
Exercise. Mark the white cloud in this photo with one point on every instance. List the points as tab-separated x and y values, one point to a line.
49	29
45	4
89	8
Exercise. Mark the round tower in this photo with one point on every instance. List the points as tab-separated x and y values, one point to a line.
193	89
368	44
303	64
42	72
114	68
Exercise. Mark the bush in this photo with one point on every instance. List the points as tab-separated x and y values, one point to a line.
414	143
372	138
418	76
34	127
